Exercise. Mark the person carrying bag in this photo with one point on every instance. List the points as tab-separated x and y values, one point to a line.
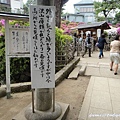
100	45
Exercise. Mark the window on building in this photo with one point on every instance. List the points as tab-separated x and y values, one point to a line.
89	18
81	9
86	9
90	9
4	1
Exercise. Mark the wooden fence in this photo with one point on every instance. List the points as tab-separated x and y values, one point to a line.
64	53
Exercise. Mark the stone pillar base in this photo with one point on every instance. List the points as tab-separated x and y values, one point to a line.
8	94
43	115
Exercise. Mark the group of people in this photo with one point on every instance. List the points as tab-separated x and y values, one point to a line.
87	43
114	49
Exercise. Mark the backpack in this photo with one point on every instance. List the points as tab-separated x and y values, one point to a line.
89	40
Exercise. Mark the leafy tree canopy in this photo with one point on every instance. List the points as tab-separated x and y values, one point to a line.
117	18
106	7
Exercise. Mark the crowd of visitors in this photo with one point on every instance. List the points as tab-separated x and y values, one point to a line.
100	44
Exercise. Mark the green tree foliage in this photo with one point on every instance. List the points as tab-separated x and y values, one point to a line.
27	4
100	18
106	7
60	37
117	18
2	59
20	70
30	2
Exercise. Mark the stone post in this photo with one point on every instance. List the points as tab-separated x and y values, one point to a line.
43	97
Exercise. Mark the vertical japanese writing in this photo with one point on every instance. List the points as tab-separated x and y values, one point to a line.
41	28
35	38
27	42
43	46
19	39
13	43
23	41
48	44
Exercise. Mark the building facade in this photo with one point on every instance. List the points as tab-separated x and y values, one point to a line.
4	4
15	6
83	12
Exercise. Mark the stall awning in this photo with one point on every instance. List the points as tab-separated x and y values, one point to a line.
98	25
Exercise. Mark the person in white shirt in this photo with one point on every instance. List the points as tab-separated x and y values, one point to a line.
115	54
80	38
88	45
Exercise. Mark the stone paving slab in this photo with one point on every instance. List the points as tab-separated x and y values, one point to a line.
74	73
102	99
103	71
82	70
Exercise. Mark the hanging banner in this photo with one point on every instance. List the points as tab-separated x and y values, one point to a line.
42	35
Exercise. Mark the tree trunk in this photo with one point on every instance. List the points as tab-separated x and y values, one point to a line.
58	4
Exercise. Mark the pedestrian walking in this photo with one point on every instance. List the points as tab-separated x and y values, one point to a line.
75	41
88	45
100	44
80	39
115	54
94	43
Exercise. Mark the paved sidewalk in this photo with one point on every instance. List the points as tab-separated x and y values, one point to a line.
98	67
102	99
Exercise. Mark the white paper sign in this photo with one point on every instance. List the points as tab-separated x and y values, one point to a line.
42	34
19	40
98	33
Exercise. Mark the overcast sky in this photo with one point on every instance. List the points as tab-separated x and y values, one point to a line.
69	8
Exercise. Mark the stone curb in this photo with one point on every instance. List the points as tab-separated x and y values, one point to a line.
59	76
82	70
63	73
